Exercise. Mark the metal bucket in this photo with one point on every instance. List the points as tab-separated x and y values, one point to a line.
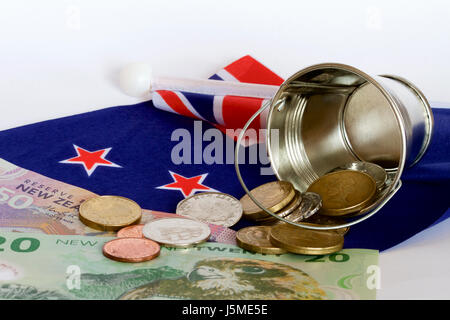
329	115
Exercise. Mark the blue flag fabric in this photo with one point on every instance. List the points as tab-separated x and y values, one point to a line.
129	151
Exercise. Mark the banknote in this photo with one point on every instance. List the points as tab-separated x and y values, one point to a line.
30	202
73	267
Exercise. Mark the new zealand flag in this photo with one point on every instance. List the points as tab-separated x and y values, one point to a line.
158	158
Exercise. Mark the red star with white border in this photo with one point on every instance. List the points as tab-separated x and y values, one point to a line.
187	186
91	160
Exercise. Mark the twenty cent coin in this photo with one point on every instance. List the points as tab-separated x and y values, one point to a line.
310	204
131	249
273	195
256	239
177	232
211	207
109	213
134	231
303	241
344	192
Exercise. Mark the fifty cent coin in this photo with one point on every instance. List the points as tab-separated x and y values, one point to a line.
131	249
310	204
177	232
109	213
256	239
344	192
211	207
273	195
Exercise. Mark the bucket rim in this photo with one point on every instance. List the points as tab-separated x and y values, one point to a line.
391	101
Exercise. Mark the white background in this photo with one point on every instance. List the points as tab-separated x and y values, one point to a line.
62	57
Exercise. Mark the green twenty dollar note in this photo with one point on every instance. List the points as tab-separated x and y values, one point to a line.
37	266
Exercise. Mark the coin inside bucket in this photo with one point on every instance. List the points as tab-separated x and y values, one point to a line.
344	192
375	171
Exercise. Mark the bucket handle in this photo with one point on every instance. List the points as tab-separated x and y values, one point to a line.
280	104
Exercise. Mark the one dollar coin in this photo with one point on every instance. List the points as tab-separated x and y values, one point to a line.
109	213
306	241
256	239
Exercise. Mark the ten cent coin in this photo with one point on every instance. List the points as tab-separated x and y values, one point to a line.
131	249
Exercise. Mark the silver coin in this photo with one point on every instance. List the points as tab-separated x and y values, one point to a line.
211	207
390	178
147	217
177	232
372	169
310	204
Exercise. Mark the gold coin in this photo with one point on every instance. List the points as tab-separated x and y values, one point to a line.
109	213
273	195
256	239
303	241
288	209
324	221
375	171
344	192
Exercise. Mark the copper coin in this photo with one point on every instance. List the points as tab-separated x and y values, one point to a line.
134	231
131	249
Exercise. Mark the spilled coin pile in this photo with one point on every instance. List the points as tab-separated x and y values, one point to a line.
343	192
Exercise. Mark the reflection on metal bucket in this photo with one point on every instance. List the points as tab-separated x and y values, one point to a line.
329	115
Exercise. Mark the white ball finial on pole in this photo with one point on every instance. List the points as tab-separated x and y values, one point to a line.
135	79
